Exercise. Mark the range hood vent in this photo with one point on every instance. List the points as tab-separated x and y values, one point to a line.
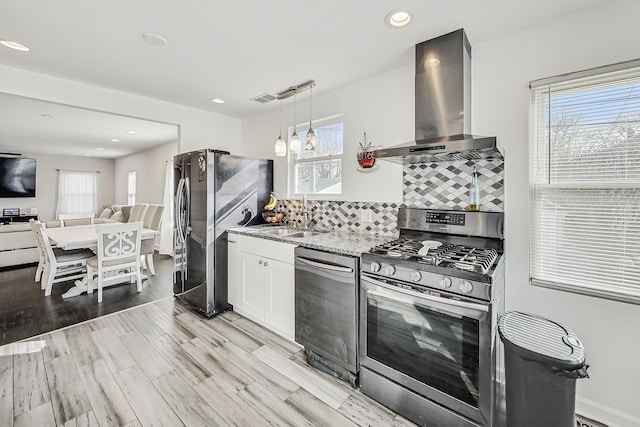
443	107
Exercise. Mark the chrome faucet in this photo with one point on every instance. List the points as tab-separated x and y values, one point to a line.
306	213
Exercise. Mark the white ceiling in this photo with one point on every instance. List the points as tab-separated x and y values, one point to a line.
26	125
236	50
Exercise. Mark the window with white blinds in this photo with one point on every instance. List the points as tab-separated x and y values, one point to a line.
585	176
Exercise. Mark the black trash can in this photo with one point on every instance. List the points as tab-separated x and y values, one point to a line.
543	359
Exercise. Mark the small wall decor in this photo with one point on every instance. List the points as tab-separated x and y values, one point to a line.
366	156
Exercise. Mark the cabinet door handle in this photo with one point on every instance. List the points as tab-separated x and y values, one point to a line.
260	262
266	263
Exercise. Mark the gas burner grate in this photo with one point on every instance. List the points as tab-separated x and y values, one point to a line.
449	255
469	259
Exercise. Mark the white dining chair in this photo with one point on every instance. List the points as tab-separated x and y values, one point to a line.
42	260
118	256
151	221
59	265
70	219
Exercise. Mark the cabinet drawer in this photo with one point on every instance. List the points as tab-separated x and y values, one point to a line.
266	248
17	240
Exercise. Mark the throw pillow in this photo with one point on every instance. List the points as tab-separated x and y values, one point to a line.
118	216
106	213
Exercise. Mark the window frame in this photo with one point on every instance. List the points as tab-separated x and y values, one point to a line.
538	159
69	182
292	161
135	187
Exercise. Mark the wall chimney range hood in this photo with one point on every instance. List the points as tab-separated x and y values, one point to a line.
443	107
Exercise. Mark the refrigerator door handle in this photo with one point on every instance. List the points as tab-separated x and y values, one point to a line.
179	194
187	194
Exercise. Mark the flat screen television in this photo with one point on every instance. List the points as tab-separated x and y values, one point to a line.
17	177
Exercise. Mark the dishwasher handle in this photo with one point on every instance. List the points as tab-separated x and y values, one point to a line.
324	266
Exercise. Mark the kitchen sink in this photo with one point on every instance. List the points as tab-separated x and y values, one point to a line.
280	231
304	234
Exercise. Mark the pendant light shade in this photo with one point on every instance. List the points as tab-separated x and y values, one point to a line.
281	145
310	139
294	141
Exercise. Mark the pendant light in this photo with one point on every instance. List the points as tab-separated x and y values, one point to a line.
310	139
281	146
294	141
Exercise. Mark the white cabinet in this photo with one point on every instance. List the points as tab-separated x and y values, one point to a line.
279	298
17	245
251	293
261	282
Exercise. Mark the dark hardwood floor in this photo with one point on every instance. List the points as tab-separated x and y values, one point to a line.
26	312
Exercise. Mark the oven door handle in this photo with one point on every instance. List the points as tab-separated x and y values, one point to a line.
414	294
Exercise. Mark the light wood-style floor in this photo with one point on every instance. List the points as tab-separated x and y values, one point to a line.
162	365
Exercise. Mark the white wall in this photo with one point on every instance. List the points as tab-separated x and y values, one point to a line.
198	128
47	182
150	173
502	68
382	106
501	72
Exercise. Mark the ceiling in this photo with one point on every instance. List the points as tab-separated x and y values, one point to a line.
236	50
33	126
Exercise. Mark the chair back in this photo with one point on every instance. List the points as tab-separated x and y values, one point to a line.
44	246
118	242
38	235
71	219
137	212
153	217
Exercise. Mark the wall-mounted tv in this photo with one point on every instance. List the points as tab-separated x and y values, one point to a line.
17	177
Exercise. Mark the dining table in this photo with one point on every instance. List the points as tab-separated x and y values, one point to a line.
78	237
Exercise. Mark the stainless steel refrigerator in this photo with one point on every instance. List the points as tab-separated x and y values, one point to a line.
214	191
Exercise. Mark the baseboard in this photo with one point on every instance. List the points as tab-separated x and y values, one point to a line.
605	414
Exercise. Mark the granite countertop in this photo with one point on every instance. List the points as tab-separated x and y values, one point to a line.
340	242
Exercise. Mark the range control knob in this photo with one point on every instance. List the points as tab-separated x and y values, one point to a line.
445	282
389	270
375	267
466	287
416	275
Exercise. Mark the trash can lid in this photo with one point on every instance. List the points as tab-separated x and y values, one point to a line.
542	340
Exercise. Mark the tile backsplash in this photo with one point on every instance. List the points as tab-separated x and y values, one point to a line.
442	185
445	185
345	216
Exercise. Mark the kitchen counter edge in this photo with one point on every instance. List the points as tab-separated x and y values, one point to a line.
339	242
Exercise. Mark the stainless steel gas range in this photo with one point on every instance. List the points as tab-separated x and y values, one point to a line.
429	303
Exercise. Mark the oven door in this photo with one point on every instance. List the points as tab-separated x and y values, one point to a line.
435	346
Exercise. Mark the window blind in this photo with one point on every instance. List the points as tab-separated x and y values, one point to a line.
585	176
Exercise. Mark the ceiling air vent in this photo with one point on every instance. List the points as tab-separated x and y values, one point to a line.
264	98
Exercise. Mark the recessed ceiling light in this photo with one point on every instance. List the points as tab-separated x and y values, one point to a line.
114	140
100	149
131	132
217	100
87	154
15	45
48	116
399	18
154	39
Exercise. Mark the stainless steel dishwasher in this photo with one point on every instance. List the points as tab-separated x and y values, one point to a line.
327	311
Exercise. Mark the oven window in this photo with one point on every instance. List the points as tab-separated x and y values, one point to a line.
438	349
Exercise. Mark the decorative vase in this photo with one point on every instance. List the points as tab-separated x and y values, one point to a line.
366	156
